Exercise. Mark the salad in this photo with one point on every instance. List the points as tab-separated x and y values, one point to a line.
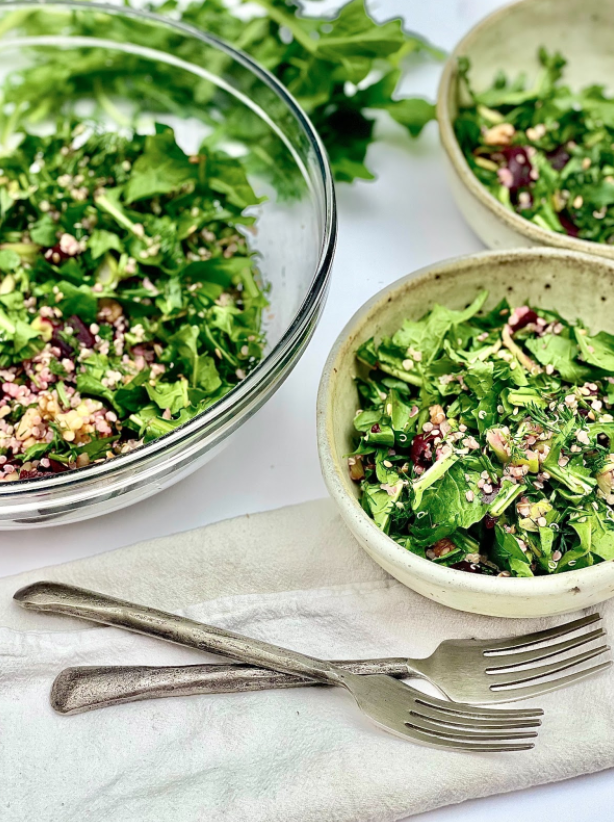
543	150
485	439
129	301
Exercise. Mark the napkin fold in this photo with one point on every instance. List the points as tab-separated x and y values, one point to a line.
295	577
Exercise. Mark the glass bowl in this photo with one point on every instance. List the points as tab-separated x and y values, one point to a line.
296	227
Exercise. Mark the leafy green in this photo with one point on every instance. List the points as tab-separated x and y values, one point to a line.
139	299
329	64
161	168
544	150
484	438
562	354
9	260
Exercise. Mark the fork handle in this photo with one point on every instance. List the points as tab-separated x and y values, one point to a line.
57	598
80	689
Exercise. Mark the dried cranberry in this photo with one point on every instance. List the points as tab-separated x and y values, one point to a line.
375	429
57	255
520	318
65	349
568	224
421	451
58	467
519	166
32	473
583	412
82	332
489	522
470	567
559	158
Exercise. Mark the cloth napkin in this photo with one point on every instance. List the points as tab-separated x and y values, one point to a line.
295	577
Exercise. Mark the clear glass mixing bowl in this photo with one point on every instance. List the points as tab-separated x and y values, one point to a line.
296	227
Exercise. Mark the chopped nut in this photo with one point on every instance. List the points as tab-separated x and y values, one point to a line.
499	135
437	414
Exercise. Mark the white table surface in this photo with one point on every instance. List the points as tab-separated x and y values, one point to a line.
401	222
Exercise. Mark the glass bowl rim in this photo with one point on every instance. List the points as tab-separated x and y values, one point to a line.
249	387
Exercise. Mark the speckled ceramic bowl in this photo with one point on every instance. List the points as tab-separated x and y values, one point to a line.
509	39
574	284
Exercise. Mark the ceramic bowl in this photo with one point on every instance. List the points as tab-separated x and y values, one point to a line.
576	285
509	40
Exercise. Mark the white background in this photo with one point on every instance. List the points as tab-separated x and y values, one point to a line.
401	222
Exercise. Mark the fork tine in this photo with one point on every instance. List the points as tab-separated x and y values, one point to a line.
467	732
500	681
490	722
526	640
539	688
475	712
438	740
512	660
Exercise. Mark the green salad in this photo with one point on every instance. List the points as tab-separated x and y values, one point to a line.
544	151
129	300
485	439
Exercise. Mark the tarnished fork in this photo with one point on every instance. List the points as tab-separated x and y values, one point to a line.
474	671
392	704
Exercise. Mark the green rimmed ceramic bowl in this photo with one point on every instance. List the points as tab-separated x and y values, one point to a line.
576	285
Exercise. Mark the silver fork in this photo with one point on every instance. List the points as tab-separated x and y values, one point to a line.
474	671
392	704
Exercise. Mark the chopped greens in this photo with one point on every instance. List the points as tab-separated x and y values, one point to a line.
339	69
129	300
485	440
544	151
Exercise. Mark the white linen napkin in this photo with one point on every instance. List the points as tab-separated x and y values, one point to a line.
295	577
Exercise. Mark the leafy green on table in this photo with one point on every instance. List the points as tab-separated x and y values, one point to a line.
339	68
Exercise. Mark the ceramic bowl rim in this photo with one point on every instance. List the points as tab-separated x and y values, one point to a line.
539	236
333	470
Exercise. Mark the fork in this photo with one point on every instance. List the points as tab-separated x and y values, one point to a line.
388	702
474	671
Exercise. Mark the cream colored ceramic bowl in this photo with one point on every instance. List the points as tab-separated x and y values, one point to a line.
577	285
509	39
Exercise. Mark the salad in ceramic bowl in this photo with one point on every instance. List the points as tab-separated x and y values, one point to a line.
466	431
485	439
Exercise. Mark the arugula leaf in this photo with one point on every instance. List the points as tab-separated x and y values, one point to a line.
9	260
102	241
446	506
43	231
77	300
160	169
427	335
171	396
508	554
560	352
597	350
